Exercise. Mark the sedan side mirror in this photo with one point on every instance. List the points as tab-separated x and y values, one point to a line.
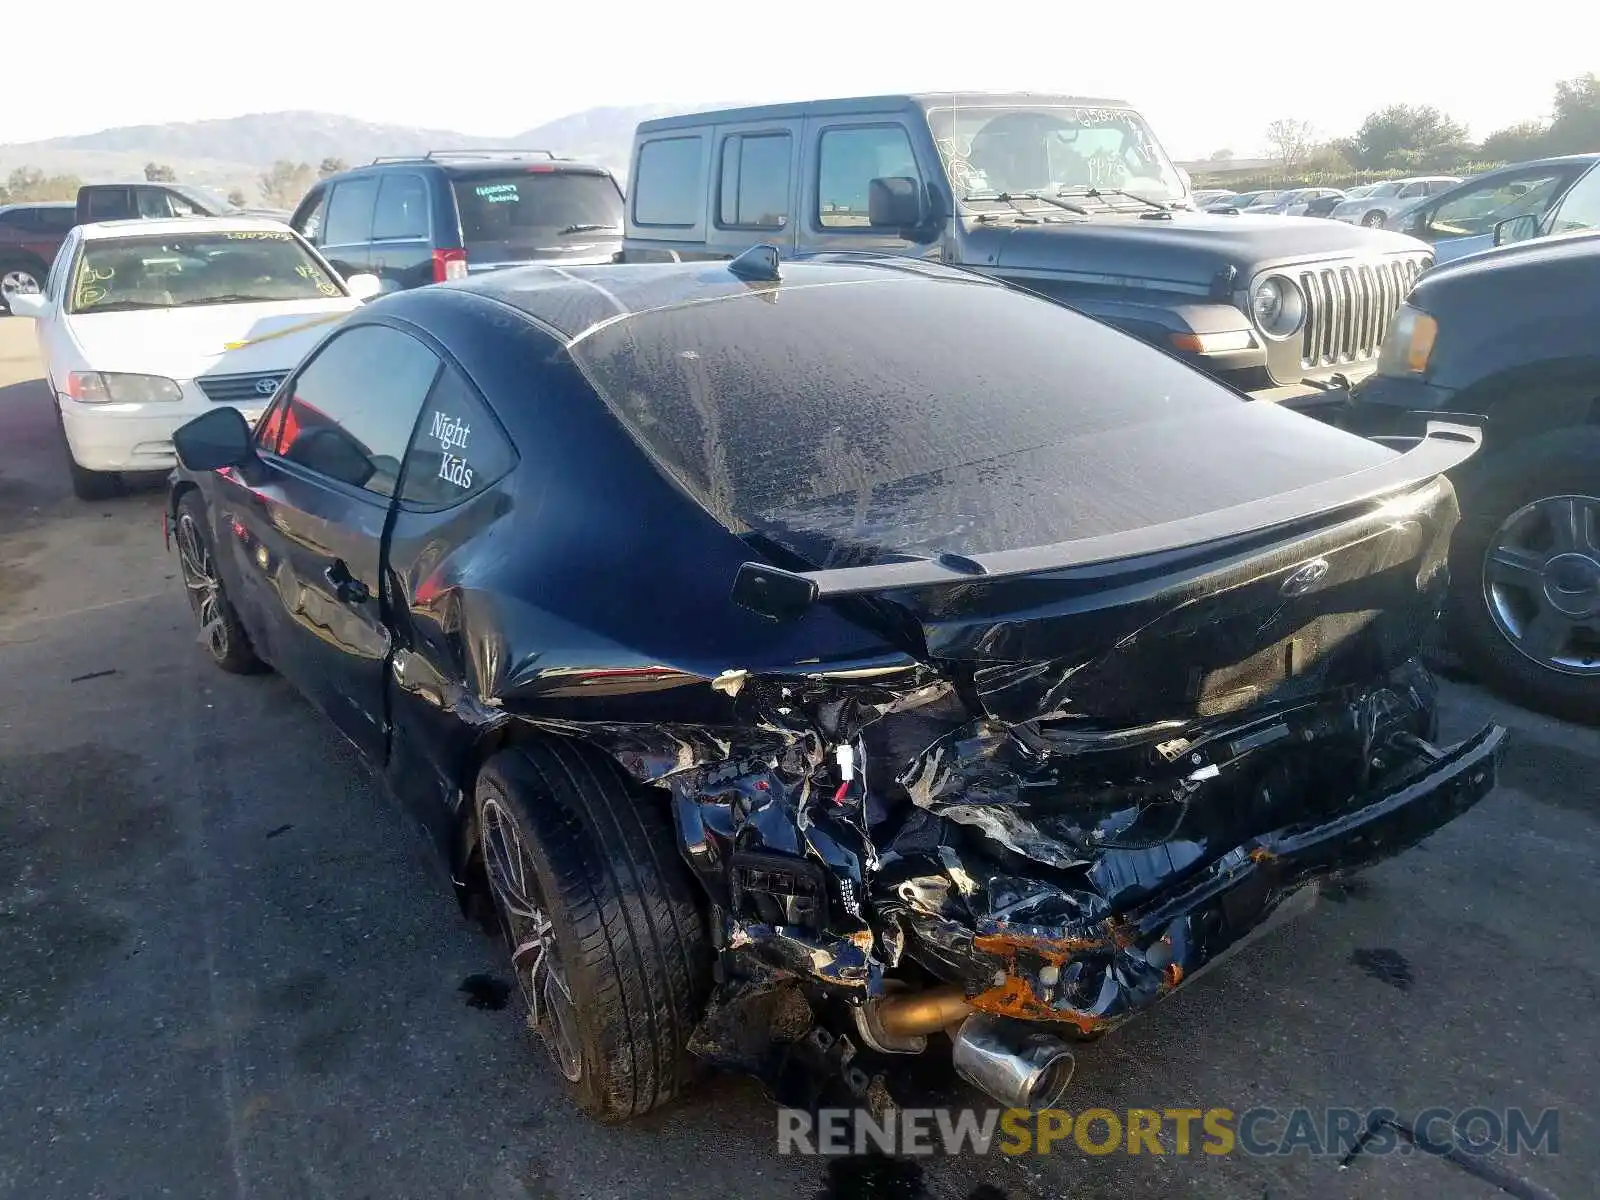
213	440
33	305
896	202
1516	229
364	286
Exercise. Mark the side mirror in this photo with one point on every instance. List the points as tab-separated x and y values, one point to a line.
896	202
363	286
28	304
213	440
1512	229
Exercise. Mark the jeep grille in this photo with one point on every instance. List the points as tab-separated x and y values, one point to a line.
1349	306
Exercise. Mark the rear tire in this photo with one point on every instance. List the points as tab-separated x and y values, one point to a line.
1488	602
1373	219
605	901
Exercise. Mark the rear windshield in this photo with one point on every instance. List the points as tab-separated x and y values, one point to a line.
533	214
180	271
852	423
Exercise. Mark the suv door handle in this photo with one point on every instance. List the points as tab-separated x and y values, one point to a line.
346	587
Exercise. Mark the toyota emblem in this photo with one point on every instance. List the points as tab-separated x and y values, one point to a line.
268	384
1305	578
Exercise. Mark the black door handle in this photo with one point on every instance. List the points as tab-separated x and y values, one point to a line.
346	587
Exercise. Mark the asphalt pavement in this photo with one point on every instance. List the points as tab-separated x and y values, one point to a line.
231	967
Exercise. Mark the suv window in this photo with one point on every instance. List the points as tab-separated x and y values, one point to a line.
507	216
350	213
755	180
349	412
849	160
666	184
1581	207
1476	210
310	224
108	204
55	220
458	449
402	208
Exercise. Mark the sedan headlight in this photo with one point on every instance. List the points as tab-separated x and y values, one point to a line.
1278	306
112	387
1409	346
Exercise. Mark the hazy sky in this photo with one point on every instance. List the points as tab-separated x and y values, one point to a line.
1207	74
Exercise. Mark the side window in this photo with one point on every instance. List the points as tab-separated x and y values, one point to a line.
666	183
308	221
110	204
350	213
755	180
402	210
459	449
57	220
153	202
1477	209
55	285
349	412
851	158
1581	208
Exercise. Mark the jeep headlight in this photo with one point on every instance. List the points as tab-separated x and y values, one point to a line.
1409	345
113	387
1278	306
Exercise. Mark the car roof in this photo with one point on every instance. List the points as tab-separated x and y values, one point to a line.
848	105
136	226
574	301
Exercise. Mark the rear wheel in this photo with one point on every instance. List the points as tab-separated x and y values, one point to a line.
18	277
1525	604
607	942
1373	219
220	630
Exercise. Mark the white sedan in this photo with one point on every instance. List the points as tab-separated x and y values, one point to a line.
146	324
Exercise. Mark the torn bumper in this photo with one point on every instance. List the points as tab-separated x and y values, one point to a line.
1094	983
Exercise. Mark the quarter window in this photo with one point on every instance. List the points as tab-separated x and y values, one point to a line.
755	180
1581	208
458	449
402	210
850	159
666	184
350	411
350	213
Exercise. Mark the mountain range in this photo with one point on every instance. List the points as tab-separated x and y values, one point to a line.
233	152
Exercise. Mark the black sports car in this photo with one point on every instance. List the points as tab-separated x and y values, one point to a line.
804	661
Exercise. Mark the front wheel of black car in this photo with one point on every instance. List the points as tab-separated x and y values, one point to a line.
1525	604
220	631
608	945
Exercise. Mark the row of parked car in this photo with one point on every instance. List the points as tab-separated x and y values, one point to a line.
1458	217
1285	311
868	457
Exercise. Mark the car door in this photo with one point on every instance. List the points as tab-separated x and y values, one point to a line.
402	246
849	152
305	525
346	233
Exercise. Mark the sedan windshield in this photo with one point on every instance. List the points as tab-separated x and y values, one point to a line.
1052	150
182	271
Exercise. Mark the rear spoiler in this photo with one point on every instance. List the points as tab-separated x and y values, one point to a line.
783	595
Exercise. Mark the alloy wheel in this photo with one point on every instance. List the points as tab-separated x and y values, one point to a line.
1541	582
205	589
534	957
17	282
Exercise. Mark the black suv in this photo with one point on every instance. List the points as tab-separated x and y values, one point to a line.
415	221
1506	339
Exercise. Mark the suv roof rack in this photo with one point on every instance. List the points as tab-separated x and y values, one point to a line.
433	155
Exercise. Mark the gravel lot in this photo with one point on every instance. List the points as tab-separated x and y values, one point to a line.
229	966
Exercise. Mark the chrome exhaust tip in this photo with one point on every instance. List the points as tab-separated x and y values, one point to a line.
1013	1062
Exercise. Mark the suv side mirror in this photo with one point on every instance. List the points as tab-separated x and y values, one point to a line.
213	440
896	202
1516	229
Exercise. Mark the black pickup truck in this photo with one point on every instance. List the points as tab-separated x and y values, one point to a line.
1507	340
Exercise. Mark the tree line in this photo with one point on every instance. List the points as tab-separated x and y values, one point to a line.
280	187
1414	138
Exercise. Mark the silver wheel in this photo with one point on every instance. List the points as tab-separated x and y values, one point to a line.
1541	583
17	281
205	589
534	957
1372	220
